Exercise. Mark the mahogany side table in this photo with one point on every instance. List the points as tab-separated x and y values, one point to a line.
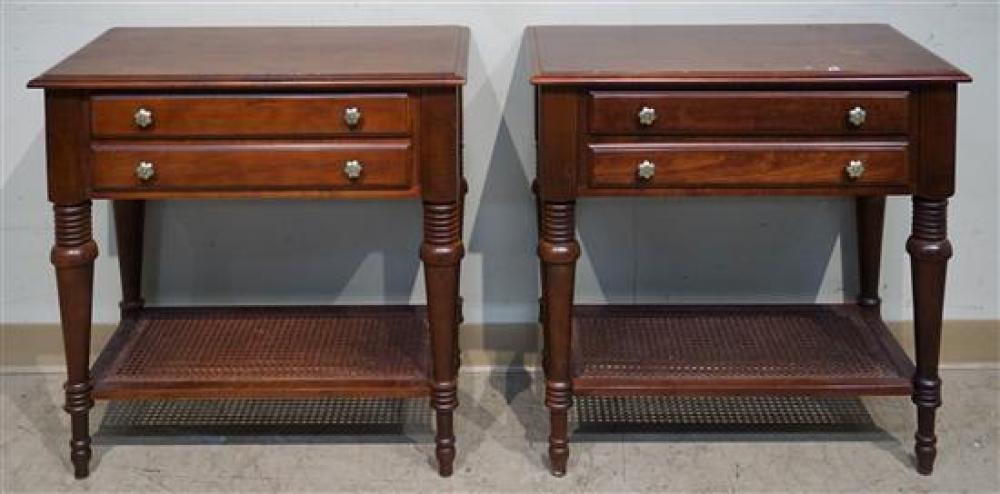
174	113
847	110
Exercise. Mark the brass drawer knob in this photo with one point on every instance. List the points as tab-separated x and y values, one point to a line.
143	118
855	169
646	116
856	117
352	116
353	169
646	170
145	171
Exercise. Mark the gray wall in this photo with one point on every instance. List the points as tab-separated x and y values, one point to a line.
674	250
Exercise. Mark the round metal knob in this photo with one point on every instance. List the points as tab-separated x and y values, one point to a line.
145	171
353	169
143	118
646	170
646	116
856	116
352	116
855	169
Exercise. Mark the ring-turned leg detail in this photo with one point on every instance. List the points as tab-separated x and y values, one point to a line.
558	251
541	275
441	253
460	308
929	250
73	257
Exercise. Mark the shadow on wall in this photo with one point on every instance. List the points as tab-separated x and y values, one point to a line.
504	227
717	250
295	252
26	235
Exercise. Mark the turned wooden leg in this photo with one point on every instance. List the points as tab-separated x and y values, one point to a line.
73	257
541	274
441	252
929	253
558	251
460	313
870	212
129	221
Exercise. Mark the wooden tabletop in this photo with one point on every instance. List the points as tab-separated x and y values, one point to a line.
732	54
265	56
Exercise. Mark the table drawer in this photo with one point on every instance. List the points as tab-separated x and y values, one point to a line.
251	165
250	115
745	164
748	112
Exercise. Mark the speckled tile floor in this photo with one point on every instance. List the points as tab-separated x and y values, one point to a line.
501	440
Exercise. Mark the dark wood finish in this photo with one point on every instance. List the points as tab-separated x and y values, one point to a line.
265	57
559	251
257	113
747	164
936	138
870	216
742	110
296	115
929	250
747	112
258	165
442	251
66	141
744	54
557	116
130	219
764	349
206	353
73	257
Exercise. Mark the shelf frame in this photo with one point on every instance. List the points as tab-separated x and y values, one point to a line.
266	352
673	337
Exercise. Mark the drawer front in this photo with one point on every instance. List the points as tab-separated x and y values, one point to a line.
250	116
740	164
248	165
748	113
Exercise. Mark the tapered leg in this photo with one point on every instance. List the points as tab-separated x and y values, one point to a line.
558	251
442	252
129	221
870	212
541	271
929	253
73	257
461	301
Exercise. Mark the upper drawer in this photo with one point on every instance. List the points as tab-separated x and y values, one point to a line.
250	115
748	112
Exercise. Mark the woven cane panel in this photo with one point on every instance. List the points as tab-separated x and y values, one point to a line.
720	414
273	344
768	342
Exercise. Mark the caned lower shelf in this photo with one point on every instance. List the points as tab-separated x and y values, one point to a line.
188	352
799	349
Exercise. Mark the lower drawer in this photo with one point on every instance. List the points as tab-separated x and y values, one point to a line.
747	164
257	165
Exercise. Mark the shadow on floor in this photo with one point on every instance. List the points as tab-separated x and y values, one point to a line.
266	421
724	418
388	420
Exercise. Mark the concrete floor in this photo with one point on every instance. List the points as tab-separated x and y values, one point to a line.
501	429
